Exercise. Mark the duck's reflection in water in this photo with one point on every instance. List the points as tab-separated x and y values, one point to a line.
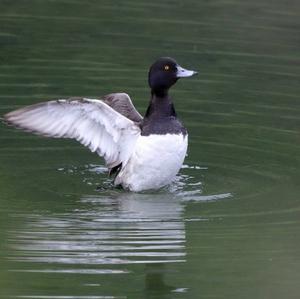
140	228
104	231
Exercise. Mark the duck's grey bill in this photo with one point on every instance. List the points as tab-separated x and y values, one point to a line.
181	72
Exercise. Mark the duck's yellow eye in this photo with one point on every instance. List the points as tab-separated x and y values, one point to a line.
166	67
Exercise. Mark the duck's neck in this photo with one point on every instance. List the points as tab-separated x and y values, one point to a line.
160	105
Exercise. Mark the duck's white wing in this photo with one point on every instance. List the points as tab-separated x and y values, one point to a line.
92	122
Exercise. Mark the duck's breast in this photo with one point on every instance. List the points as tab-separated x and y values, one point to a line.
155	162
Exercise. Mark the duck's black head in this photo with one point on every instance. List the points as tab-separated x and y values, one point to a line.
164	73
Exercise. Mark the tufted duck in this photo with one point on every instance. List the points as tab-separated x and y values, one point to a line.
142	153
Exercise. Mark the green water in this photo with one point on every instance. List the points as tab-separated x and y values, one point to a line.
229	226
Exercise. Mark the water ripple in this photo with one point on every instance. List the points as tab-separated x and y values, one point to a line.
127	229
67	297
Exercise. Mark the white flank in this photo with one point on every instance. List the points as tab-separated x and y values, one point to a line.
154	163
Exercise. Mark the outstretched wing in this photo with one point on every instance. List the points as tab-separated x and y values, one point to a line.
122	103
92	122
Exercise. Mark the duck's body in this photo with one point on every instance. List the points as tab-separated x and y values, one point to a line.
146	169
143	153
159	151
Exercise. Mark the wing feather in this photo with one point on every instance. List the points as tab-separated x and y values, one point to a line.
122	103
91	122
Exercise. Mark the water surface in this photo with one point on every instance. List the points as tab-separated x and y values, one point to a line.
228	227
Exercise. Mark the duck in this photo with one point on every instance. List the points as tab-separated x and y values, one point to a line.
141	153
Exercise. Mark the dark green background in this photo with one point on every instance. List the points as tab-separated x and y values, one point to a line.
229	227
